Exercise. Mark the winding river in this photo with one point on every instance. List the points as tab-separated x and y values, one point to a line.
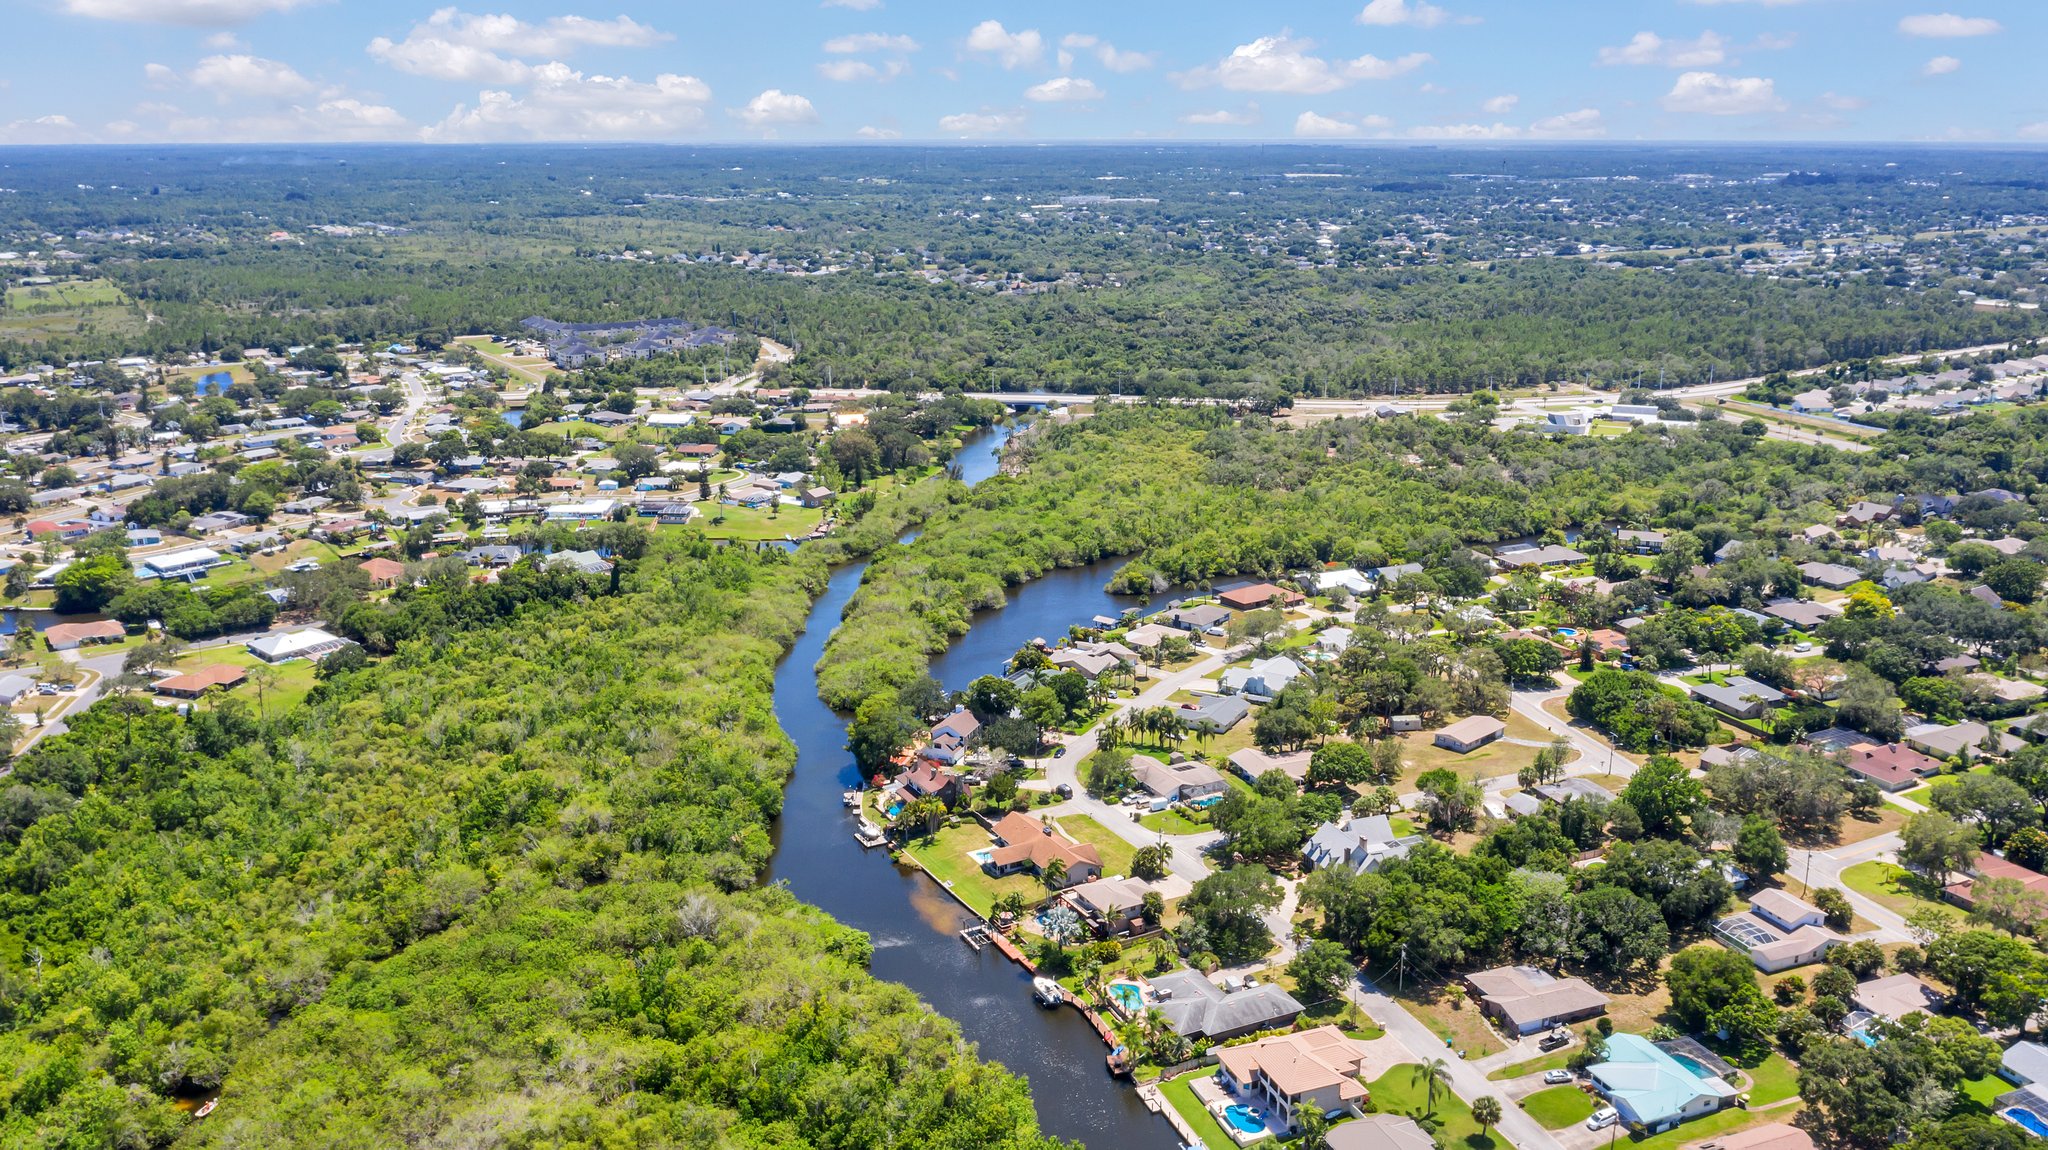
915	924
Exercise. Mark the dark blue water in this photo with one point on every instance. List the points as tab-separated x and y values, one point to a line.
913	922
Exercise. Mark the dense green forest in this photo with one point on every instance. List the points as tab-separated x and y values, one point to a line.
503	881
991	269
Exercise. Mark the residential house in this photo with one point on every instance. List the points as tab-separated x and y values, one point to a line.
1801	613
70	636
1864	513
1197	1008
929	781
283	647
2024	1064
1090	665
1769	1136
1169	783
1946	741
1813	402
1251	762
1348	579
1894	997
1220	712
1026	844
1201	618
1530	555
1470	733
1740	696
1893	767
1361	844
1110	906
1778	932
383	572
1575	787
1833	576
13	688
1263	679
184	563
1642	542
951	735
1527	1000
1379	1132
1258	595
1653	1091
1991	866
192	684
1292	1074
1147	636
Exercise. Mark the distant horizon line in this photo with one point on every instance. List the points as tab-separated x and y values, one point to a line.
954	143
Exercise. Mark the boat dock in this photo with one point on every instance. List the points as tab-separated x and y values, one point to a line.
868	834
982	934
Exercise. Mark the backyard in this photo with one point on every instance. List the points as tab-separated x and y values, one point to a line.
752	525
1401	1091
1559	1106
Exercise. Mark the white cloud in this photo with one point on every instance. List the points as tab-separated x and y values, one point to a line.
240	75
564	104
1224	117
1712	94
856	5
1314	126
492	49
1837	102
1013	49
2034	131
225	42
1063	90
54	129
1465	132
1282	64
1948	25
982	123
419	55
1109	55
1940	66
1387	13
159	76
1584	124
776	106
848	71
861	42
196	13
1648	48
1500	104
871	132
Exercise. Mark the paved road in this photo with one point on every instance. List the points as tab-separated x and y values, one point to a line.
1467	1080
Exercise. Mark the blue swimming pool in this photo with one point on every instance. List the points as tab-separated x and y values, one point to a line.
2028	1120
1863	1036
1128	995
1693	1064
895	808
983	855
1245	1120
1567	632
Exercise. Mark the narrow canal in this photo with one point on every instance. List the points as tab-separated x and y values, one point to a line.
914	924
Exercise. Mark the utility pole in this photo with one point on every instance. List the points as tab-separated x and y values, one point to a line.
1401	970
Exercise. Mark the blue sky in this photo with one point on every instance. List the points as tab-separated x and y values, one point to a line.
303	70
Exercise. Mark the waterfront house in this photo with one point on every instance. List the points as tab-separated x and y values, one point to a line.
1026	844
1292	1073
1259	595
929	781
1110	906
1197	1008
951	735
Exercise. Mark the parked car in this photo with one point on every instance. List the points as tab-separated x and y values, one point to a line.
1554	1040
1603	1118
1556	1077
1059	752
1064	791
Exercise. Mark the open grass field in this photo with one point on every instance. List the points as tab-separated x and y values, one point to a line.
1559	1106
1895	888
1116	853
67	296
1400	1091
1172	822
1453	1017
294	679
945	856
752	525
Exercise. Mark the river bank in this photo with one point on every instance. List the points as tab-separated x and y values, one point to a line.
914	923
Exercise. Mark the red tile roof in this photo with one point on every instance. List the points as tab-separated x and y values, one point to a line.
1892	765
1991	866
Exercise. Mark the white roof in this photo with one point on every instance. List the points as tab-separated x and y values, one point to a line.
291	644
184	557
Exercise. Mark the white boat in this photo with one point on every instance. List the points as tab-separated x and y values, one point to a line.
1048	992
850	798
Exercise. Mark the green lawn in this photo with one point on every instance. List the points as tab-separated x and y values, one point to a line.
1894	887
294	679
60	296
1398	1091
751	525
1725	1122
1772	1080
945	856
1556	1060
1171	822
1116	853
1982	1092
1559	1106
1181	1096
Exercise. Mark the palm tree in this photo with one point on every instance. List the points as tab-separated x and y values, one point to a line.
1434	1075
1486	1112
1314	1127
1054	874
925	811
